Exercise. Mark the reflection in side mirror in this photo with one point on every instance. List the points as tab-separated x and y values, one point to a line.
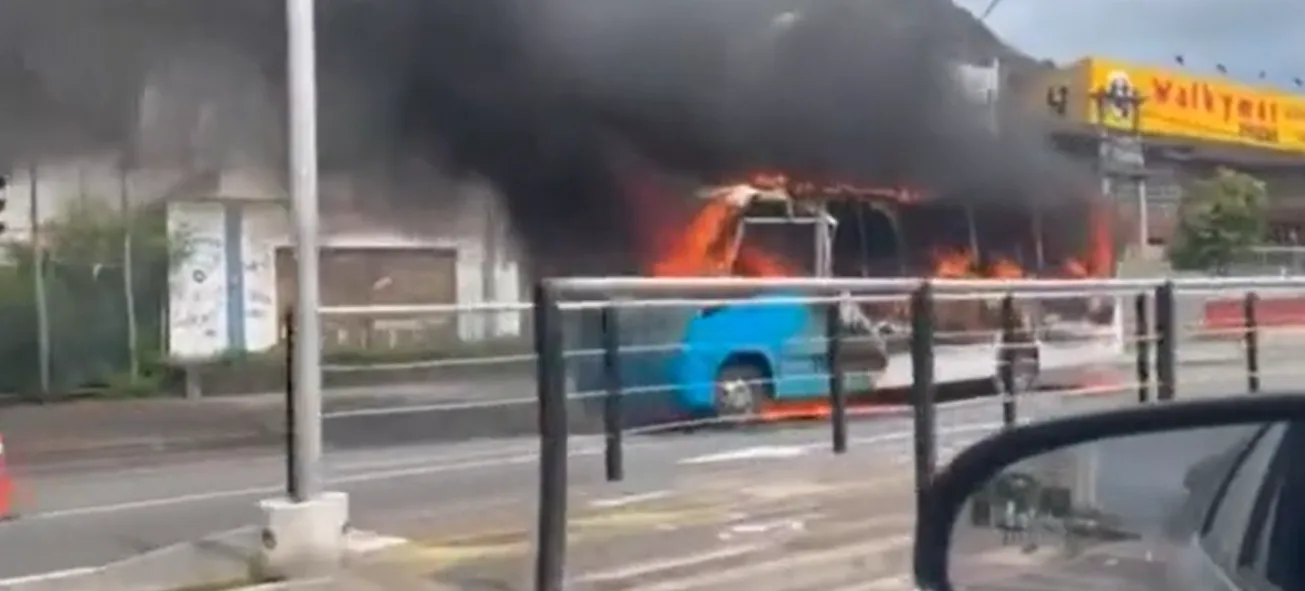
1118	499
1056	506
1122	497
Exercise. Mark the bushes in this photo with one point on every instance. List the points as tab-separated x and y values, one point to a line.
84	266
1221	219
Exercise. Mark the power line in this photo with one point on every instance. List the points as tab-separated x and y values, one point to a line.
992	5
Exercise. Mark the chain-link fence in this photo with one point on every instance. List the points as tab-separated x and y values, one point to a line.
83	285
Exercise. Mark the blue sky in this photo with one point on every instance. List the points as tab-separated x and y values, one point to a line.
1247	36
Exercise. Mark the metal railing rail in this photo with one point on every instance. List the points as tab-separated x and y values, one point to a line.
1155	336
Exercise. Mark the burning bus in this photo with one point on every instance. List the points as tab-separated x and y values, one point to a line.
763	354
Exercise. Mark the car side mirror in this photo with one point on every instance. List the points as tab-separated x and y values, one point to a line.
1103	487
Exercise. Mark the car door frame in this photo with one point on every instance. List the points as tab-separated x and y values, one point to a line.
1238	572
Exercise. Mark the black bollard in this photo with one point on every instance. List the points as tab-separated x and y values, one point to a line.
613	452
922	387
834	361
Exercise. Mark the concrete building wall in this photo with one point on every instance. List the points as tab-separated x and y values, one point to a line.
364	263
236	223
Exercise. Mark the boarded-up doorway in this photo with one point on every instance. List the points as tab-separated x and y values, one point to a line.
379	277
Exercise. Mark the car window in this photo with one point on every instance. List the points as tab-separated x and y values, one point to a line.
1228	524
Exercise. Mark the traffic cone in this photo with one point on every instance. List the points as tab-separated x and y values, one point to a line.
6	486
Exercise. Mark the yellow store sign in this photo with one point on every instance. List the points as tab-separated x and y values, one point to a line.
1209	109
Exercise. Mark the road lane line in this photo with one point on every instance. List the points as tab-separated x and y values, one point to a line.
50	576
627	500
757	452
652	566
361	541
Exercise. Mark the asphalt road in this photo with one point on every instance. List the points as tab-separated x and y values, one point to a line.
94	514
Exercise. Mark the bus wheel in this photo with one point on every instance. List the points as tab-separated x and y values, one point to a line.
741	390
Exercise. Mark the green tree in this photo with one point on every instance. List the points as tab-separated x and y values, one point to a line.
84	253
1220	219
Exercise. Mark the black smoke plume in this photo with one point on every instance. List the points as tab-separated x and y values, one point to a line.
575	110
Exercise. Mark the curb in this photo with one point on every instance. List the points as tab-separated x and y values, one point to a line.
138	451
346	431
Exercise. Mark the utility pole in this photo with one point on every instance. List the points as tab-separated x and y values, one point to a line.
303	533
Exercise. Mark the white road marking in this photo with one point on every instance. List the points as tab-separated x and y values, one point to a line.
50	576
792	524
652	566
761	452
284	585
627	500
365	542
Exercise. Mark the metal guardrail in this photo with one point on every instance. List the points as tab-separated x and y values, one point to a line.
1155	336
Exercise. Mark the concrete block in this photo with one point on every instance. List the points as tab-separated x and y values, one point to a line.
301	540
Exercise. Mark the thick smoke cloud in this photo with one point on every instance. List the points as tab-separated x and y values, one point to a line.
574	109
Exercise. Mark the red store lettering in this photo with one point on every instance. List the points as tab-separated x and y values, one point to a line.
1201	96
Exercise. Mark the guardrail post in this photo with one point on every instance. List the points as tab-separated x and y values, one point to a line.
613	452
1249	309
1010	325
1142	342
922	385
1166	335
292	488
834	362
550	547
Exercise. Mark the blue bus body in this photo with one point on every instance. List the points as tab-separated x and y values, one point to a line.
670	356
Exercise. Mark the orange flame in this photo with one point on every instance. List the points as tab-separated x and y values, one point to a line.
1005	269
708	245
953	264
1101	250
694	251
707	248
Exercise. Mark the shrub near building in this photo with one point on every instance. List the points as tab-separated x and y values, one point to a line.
1219	221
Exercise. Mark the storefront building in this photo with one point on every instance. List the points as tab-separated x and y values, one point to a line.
1186	126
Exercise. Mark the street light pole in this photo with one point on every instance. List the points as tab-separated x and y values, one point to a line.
307	370
303	533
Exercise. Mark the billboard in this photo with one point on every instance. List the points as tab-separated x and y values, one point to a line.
1199	108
